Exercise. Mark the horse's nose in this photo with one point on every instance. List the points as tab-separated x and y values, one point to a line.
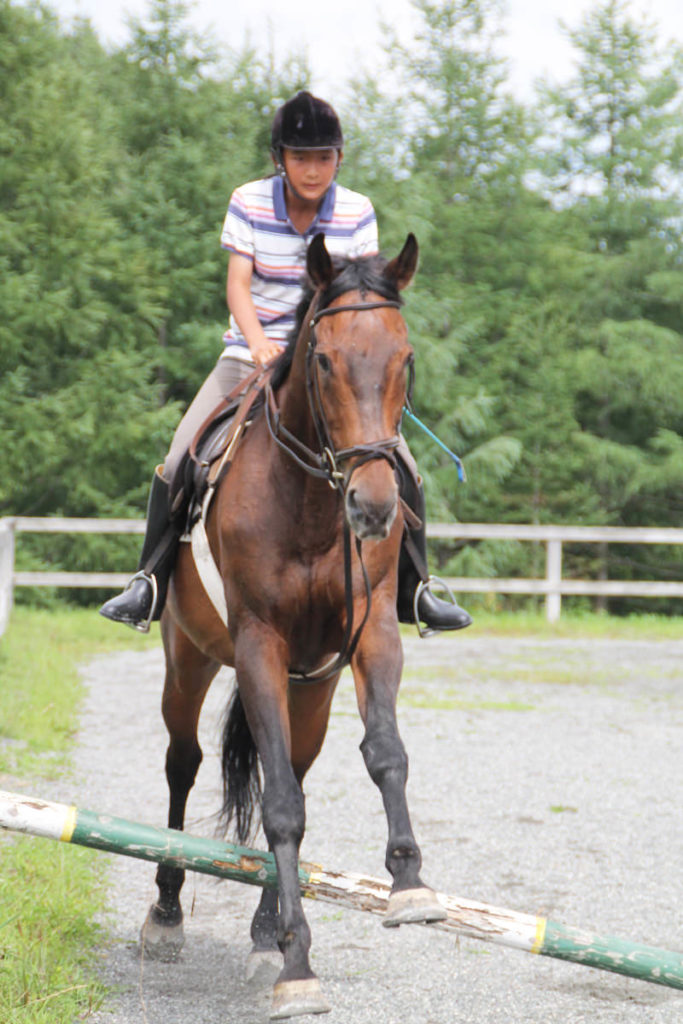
370	517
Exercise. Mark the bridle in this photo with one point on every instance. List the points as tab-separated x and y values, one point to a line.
325	466
325	463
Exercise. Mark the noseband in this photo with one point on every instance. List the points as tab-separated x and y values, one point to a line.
325	464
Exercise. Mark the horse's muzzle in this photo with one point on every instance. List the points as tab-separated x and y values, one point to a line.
371	516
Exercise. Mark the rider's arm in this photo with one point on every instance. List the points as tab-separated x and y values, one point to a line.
241	305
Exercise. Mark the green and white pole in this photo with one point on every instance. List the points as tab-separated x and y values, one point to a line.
214	857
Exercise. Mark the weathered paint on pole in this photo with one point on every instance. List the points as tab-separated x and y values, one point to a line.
215	857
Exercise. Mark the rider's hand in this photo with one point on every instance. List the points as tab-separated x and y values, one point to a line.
264	351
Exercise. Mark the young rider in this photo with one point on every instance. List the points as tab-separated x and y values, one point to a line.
267	229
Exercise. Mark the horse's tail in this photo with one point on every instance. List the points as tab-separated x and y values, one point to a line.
241	776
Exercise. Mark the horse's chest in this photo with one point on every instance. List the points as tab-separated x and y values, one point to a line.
313	580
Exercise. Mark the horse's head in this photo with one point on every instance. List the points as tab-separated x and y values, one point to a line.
357	370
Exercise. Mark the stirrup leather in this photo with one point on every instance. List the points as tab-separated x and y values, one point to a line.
423	585
144	626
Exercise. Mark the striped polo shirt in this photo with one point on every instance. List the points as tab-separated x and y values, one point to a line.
257	226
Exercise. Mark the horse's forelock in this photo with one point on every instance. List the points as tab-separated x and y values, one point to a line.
364	274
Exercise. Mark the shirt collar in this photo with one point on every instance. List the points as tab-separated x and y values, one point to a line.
279	198
326	211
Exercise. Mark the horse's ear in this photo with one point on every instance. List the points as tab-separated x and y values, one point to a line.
318	262
402	269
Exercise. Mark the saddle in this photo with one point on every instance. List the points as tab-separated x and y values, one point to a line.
213	447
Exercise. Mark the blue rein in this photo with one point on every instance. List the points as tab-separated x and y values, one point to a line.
458	462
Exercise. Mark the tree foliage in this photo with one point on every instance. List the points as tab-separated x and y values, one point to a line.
547	315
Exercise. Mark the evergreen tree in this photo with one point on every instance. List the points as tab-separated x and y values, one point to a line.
614	166
460	187
194	130
613	170
72	289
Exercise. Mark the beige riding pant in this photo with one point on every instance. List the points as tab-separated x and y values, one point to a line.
226	374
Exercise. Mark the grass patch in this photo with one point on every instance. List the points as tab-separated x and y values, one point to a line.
448	700
521	670
49	895
41	690
575	624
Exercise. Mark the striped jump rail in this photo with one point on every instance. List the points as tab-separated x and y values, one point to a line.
526	932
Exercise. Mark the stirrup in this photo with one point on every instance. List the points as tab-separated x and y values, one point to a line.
144	626
423	585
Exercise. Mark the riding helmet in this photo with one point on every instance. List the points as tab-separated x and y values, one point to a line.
305	122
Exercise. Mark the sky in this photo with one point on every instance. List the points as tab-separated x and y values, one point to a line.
339	38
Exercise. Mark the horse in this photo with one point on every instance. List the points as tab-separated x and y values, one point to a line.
305	529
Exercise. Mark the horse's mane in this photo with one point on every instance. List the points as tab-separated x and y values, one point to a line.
363	274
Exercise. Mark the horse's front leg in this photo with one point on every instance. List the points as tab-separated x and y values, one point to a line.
309	711
188	676
265	960
377	668
261	664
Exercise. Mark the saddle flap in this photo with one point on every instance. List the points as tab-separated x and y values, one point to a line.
211	451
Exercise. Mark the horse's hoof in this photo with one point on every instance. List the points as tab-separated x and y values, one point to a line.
263	967
293	998
161	941
413	906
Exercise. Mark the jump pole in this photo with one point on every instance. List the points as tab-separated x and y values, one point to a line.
527	932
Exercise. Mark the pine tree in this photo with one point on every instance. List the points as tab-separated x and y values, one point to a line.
613	170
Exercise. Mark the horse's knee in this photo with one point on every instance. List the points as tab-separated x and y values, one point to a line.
284	814
182	764
384	756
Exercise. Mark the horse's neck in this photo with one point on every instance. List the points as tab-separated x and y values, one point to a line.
316	504
295	413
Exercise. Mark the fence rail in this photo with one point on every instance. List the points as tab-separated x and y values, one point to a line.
552	586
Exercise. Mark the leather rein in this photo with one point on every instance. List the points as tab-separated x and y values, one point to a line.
325	466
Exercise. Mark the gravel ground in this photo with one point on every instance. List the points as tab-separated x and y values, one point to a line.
545	777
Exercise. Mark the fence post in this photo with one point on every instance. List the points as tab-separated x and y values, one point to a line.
553	575
6	571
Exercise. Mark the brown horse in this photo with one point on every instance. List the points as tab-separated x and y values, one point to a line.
304	598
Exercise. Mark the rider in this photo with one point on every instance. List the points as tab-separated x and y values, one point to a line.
267	229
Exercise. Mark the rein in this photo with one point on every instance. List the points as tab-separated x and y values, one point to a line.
324	465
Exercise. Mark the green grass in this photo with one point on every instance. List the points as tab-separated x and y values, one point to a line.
448	700
439	686
50	895
574	624
40	689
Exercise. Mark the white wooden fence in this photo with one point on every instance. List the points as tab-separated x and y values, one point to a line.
552	585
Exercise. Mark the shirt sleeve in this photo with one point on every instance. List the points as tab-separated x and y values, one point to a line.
238	231
366	237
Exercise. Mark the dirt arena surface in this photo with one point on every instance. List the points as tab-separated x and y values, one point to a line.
545	776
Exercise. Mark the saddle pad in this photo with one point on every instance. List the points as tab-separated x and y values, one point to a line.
206	566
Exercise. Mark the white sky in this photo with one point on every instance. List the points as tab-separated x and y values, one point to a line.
340	37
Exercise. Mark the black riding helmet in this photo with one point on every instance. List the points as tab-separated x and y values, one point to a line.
305	122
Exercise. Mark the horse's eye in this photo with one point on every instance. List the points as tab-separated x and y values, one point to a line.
324	362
